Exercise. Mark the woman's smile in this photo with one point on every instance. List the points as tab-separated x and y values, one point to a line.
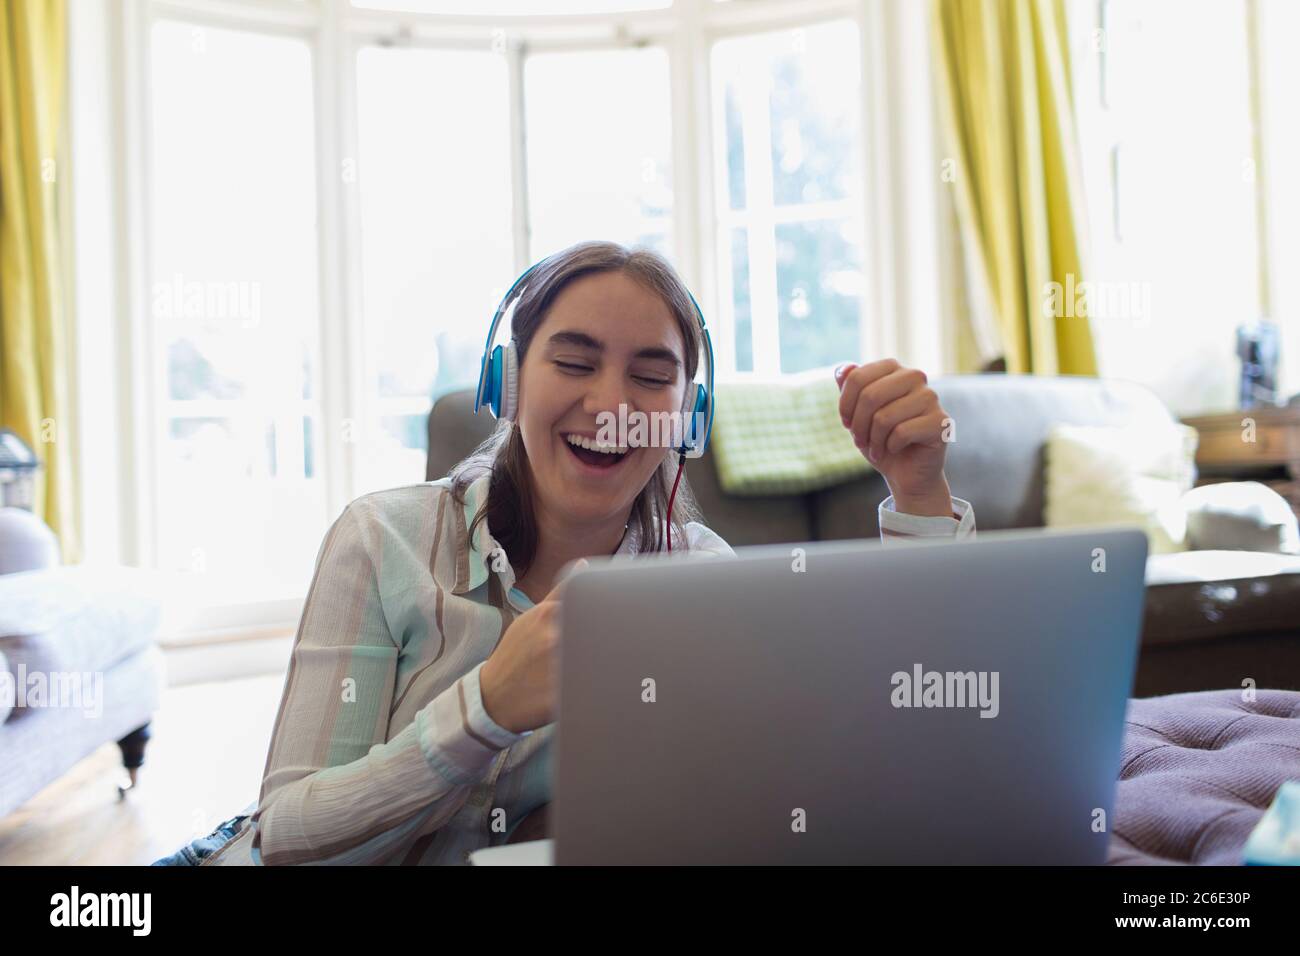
591	458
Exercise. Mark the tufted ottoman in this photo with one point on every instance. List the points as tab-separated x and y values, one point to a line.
1197	773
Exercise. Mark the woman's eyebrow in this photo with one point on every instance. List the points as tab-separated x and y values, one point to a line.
583	340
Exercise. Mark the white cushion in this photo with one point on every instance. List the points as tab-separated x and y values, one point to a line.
77	617
1107	476
1241	516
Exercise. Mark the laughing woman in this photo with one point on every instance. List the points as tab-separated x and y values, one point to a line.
416	720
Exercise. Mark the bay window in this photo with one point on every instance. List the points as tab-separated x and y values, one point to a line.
325	200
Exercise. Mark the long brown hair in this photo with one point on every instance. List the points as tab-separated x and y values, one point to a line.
509	509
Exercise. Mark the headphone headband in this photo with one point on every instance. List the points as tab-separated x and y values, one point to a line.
480	397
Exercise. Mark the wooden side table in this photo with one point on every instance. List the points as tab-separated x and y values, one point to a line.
1273	458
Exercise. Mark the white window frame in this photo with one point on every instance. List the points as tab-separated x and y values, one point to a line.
899	310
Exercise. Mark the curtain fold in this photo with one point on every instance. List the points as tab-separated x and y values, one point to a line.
1003	78
34	351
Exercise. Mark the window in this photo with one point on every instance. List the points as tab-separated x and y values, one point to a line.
234	306
786	106
335	195
435	239
599	154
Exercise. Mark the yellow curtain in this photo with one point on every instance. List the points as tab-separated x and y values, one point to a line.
1003	78
34	359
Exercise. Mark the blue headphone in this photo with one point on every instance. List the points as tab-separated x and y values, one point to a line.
498	381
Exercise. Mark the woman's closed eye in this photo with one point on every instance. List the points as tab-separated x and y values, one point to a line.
572	368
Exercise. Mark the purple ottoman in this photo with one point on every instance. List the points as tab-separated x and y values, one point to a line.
1197	773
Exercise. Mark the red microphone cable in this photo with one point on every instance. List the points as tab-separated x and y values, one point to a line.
681	463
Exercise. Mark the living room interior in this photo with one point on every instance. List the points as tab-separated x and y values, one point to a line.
250	250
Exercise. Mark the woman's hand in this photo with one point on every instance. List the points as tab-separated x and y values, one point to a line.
898	424
517	681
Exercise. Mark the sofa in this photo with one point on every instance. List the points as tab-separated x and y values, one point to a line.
87	636
1198	770
1210	621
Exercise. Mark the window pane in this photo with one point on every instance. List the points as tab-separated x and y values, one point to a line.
659	241
408	431
211	443
436	236
233	249
799	92
786	124
602	171
735	140
820	286
740	298
206	366
815	104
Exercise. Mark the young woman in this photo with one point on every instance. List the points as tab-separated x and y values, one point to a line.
417	714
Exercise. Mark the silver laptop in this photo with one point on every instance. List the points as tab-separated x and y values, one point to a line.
843	702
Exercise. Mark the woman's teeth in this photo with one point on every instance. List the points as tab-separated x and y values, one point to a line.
591	445
590	452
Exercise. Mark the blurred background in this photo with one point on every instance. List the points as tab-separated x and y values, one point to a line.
285	223
247	244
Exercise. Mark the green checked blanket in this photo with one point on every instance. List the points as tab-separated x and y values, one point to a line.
782	436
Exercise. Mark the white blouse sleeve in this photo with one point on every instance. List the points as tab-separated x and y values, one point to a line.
898	525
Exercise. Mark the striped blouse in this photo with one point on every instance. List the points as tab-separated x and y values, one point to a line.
382	751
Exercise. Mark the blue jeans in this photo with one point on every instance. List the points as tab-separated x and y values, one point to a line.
194	853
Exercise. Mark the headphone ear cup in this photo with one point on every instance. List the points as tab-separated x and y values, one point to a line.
695	402
509	384
489	389
702	416
688	402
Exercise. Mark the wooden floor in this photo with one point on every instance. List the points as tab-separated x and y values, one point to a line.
203	765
